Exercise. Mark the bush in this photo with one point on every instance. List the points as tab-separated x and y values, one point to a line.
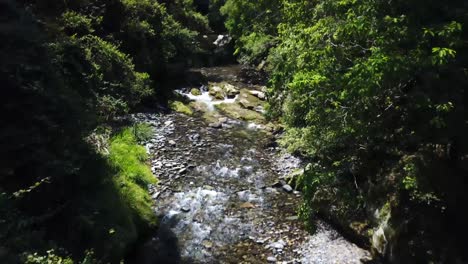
373	94
101	74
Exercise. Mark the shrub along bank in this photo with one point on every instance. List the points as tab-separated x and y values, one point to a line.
372	93
70	188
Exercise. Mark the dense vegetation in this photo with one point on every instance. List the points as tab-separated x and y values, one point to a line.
73	183
372	93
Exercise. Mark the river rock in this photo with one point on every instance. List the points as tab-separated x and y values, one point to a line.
215	125
247	205
258	94
216	92
287	188
278	245
172	142
245	103
271	259
279	183
292	218
185	209
231	90
195	91
207	244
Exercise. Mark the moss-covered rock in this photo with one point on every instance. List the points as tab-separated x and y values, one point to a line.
230	90
248	101
180	107
237	112
195	91
198	106
217	92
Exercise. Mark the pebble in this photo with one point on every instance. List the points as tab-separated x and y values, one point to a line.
287	188
271	259
215	125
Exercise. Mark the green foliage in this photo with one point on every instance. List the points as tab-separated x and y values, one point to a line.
216	19
153	37
68	68
75	23
362	86
102	74
50	258
253	25
142	132
133	175
255	47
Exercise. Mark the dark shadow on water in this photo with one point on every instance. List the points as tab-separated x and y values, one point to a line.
162	248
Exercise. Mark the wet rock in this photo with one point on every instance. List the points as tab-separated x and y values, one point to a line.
278	245
207	244
215	125
287	188
216	92
271	259
292	218
231	90
258	94
246	104
247	205
279	184
195	91
172	142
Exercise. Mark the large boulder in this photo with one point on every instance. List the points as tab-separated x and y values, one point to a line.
260	95
247	100
217	92
230	90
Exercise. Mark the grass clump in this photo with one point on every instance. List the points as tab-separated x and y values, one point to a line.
133	175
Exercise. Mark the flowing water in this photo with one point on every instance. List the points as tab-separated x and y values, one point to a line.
221	199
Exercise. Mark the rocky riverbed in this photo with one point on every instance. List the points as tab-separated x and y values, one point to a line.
222	197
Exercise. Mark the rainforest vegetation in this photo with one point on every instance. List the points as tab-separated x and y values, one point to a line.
370	93
373	93
73	179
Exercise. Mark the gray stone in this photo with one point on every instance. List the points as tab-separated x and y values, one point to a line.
271	259
215	125
287	188
292	218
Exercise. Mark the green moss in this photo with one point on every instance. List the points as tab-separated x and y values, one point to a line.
198	106
180	107
247	100
237	112
195	91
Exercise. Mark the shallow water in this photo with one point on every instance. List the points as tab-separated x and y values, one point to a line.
216	199
206	99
